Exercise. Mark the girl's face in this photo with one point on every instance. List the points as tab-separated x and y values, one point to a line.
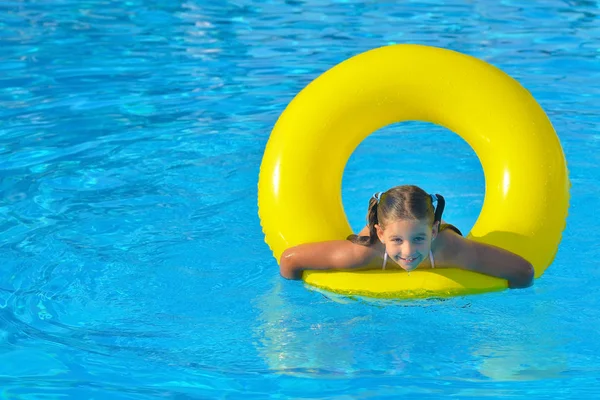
407	241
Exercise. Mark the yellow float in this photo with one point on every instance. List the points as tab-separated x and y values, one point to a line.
527	184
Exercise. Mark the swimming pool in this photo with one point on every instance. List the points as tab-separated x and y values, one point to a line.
133	259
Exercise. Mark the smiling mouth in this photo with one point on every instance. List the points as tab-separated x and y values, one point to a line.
408	260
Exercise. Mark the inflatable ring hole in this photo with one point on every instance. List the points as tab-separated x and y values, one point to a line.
429	156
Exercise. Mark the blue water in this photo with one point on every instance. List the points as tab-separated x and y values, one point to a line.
132	258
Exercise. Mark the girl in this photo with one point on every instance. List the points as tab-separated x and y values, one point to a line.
405	230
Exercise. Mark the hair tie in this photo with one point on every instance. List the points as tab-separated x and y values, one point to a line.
377	196
434	200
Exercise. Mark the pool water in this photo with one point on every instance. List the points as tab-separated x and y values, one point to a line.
133	262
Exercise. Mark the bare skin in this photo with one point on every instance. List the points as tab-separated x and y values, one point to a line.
407	243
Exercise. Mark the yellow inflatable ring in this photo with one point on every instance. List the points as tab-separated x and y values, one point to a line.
527	185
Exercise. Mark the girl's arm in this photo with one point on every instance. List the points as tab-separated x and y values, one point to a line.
335	254
490	260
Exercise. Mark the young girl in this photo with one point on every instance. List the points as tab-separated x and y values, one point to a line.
405	230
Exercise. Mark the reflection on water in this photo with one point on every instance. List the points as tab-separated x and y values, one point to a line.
402	338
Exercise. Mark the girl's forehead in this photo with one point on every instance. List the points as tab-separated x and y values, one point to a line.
407	226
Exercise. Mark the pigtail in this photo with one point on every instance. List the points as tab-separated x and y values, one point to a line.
439	203
372	220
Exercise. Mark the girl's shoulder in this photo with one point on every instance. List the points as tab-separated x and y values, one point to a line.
446	226
449	244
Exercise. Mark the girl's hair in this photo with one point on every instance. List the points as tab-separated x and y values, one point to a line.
400	202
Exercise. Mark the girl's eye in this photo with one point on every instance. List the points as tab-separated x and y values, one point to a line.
419	239
397	240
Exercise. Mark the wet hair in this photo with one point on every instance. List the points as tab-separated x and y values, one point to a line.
400	203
